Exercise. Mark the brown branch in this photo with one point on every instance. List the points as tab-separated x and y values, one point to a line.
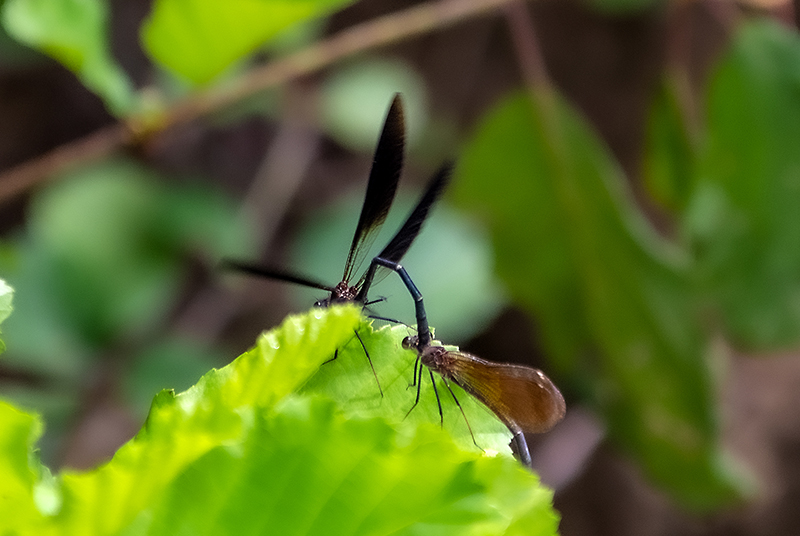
378	32
526	45
532	66
18	180
796	13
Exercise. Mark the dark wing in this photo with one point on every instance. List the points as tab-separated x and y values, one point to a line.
401	242
522	397
273	273
405	236
386	167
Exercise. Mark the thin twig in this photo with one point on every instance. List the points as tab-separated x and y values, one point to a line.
20	179
526	46
375	33
534	71
278	178
796	13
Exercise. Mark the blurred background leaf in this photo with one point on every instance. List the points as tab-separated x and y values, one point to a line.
629	335
353	102
74	32
198	39
742	221
670	152
100	271
117	239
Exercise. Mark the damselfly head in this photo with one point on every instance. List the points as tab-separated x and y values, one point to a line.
410	342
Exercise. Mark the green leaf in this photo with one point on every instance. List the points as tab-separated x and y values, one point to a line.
349	379
670	149
74	32
198	39
6	295
612	300
18	470
742	218
242	452
308	470
502	178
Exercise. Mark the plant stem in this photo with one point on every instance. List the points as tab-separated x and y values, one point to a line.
526	46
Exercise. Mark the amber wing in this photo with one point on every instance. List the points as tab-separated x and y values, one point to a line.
522	397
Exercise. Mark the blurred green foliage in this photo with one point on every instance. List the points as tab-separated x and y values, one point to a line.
195	40
613	301
74	32
354	100
100	268
629	317
199	39
742	221
669	156
112	241
241	451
